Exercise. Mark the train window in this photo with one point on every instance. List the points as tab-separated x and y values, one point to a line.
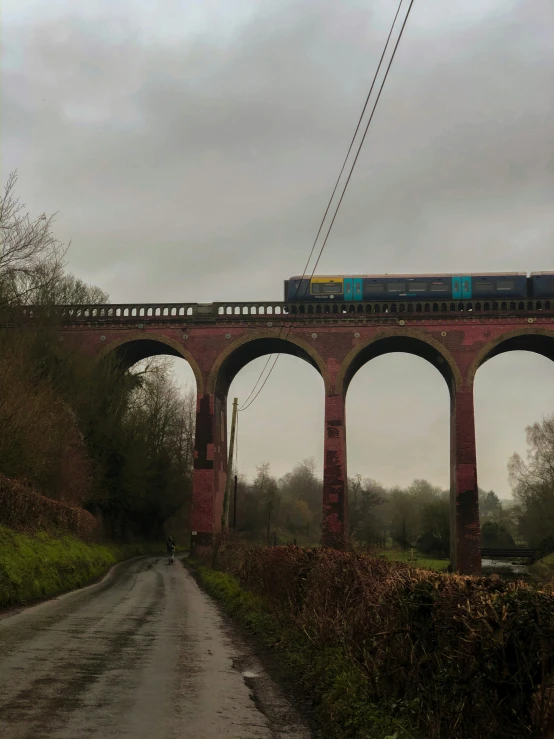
396	287
482	287
417	287
326	287
506	285
438	287
375	288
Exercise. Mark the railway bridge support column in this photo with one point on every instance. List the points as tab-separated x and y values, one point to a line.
465	536
335	523
210	467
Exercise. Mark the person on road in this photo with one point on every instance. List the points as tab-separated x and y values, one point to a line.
170	546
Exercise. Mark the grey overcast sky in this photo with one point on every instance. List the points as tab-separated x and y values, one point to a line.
190	147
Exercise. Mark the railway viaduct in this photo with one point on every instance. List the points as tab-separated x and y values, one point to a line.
218	339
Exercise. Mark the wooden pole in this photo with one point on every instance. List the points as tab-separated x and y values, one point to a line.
235	505
225	512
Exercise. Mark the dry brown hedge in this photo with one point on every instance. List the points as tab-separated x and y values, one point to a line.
465	657
24	510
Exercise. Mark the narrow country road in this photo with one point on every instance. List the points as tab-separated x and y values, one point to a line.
144	654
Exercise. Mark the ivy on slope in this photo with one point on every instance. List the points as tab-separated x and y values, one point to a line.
43	565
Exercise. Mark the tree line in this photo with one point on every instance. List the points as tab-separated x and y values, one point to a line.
288	509
117	443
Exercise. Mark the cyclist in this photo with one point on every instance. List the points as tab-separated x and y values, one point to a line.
170	546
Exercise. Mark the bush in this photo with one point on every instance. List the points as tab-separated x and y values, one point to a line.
335	683
495	535
546	546
433	545
460	656
23	509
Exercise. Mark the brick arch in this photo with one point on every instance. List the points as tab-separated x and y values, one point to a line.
532	339
168	346
408	341
257	344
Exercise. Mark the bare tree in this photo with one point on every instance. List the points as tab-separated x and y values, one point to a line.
31	258
64	289
533	482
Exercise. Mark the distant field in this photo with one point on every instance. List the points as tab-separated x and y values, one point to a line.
415	558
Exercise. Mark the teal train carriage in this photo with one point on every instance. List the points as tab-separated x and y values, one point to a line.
502	285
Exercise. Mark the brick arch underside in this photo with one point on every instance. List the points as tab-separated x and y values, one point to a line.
225	372
129	351
542	344
132	352
406	345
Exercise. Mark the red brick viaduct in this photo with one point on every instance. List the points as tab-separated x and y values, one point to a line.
218	339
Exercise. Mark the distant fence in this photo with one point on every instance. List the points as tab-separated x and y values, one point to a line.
509	553
23	509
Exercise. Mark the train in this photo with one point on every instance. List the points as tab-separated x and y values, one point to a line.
420	287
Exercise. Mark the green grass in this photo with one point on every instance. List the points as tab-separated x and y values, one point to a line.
41	565
327	674
415	558
542	571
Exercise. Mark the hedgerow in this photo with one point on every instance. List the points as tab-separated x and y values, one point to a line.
460	657
24	510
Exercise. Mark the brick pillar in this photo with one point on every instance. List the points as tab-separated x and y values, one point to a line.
210	463
465	536
335	504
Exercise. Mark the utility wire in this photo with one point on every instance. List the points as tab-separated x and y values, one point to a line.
244	407
363	137
350	147
246	403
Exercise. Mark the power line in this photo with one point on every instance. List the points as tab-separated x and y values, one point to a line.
244	407
350	147
248	404
258	380
363	137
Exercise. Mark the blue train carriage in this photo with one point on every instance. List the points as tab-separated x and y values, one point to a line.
542	284
408	287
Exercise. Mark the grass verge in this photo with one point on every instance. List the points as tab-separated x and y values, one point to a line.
542	571
328	675
414	558
42	565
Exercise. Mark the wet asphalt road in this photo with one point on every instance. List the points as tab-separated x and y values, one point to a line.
144	654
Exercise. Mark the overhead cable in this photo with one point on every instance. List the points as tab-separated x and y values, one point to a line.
246	403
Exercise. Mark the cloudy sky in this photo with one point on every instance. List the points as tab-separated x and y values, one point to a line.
190	147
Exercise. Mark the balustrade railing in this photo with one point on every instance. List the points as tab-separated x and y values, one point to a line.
321	309
295	311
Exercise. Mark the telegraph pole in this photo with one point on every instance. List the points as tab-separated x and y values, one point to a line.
224	514
235	505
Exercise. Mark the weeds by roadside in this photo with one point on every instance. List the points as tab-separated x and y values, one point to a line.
327	674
